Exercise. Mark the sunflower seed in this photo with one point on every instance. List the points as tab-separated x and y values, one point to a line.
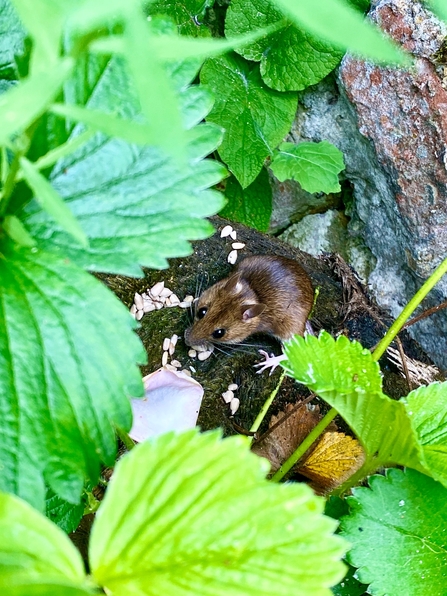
233	234
148	307
234	405
171	349
233	387
133	309
184	304
138	301
226	231
227	396
176	363
165	293
204	355
237	245
186	371
170	367
168	302
188	298
166	344
232	257
164	359
139	315
174	339
157	289
174	299
192	353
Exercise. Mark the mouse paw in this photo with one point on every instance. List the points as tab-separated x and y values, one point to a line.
271	361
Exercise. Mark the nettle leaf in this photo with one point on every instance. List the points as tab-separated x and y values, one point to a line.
315	166
204	503
12	36
427	411
135	204
344	374
251	206
338	23
35	553
67	366
188	15
66	515
255	118
291	59
397	528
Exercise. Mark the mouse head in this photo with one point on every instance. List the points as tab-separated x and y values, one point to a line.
226	313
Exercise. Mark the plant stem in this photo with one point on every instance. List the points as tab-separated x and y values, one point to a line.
311	438
409	309
260	417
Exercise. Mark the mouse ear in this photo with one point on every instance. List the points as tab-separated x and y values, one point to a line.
252	310
234	284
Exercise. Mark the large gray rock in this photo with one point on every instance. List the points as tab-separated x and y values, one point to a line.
392	128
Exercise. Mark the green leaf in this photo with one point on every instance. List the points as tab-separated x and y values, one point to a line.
291	59
17	231
67	367
37	587
20	106
251	206
188	15
398	535
66	515
314	165
427	411
344	374
12	37
204	504
255	117
439	7
52	202
32	548
136	205
336	22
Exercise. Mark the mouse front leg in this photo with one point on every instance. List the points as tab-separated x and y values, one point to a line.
270	361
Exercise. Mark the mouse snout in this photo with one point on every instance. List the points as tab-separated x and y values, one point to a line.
194	342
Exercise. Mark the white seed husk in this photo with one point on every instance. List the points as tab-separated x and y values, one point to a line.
158	305
184	304
138	301
148	307
164	359
204	355
227	396
188	298
192	353
139	315
168	302
233	234
233	387
226	231
174	299
232	257
166	344
133	309
157	288
234	405
174	339
237	245
165	293
176	363
171	349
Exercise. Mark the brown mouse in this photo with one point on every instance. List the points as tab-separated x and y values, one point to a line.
265	294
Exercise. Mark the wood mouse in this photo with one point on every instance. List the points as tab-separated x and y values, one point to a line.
265	294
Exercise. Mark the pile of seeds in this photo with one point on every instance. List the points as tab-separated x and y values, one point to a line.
228	397
169	344
232	256
155	298
201	353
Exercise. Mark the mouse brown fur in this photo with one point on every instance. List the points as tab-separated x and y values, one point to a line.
265	294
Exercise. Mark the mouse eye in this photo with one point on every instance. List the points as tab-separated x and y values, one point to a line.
202	312
218	333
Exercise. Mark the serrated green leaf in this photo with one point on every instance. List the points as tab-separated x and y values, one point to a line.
12	36
349	586
427	411
251	206
315	166
205	504
32	548
344	374
67	366
51	201
291	59
25	102
188	15
17	231
439	7
135	204
338	23
255	117
66	515
397	528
